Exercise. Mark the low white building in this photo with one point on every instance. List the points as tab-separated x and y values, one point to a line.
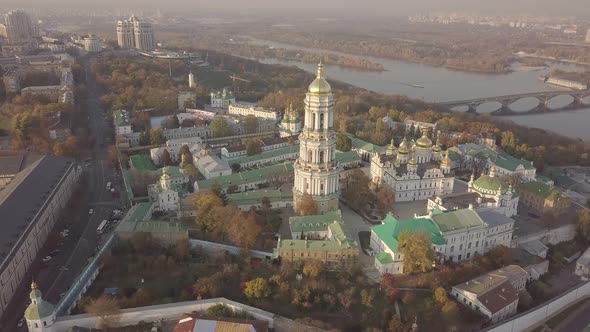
173	147
456	236
291	123
245	109
583	265
494	294
504	164
210	165
494	193
92	44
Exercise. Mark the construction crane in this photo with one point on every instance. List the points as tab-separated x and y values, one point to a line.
234	78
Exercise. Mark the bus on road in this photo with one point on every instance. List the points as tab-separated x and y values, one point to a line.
103	225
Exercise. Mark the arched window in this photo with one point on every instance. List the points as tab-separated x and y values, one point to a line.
321	157
321	122
460	248
452	249
309	156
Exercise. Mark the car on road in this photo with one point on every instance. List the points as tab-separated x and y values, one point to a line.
91	211
53	253
46	259
109	185
21	322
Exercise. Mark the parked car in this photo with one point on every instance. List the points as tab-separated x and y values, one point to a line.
21	322
46	259
55	252
91	211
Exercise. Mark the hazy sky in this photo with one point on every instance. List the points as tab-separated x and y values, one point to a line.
335	7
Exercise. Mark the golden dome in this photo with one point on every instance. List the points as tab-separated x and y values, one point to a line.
403	147
446	162
320	85
424	142
391	147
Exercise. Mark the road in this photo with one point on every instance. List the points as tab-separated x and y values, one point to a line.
55	276
576	322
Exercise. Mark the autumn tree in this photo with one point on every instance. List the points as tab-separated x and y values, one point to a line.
252	147
508	141
185	151
219	127
385	199
307	206
183	249
312	268
343	142
417	250
165	158
205	202
106	308
244	231
156	136
356	190
450	310
500	256
257	289
208	287
113	154
250	124
440	296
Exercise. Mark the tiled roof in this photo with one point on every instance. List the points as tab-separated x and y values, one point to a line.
256	196
314	223
358	143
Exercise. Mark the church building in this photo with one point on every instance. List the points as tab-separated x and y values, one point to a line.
415	170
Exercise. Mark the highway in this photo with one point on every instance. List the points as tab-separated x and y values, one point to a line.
55	276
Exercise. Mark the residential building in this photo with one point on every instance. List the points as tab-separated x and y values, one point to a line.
414	170
173	147
144	34
316	170
277	198
493	193
122	122
209	324
587	36
456	235
222	99
12	162
363	148
321	237
92	44
543	198
289	152
19	27
419	126
248	180
291	123
494	294
505	164
583	265
192	83
245	109
265	144
40	191
210	165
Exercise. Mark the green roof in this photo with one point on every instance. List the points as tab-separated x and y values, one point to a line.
488	182
246	176
256	196
347	157
501	159
317	245
173	171
359	144
138	219
40	310
449	221
138	212
120	119
142	162
542	189
453	155
315	222
391	228
264	155
384	258
127	178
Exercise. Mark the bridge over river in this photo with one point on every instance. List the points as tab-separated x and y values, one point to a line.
579	100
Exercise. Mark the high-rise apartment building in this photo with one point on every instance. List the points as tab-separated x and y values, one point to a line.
134	33
19	27
588	36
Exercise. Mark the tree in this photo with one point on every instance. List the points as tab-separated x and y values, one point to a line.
397	325
549	219
185	151
106	309
183	249
417	250
500	256
385	199
191	170
307	206
59	149
208	287
312	268
219	127
509	141
144	138
387	280
356	190
252	147
156	136
165	158
583	224
243	232
204	202
257	289
250	124
440	296
235	167
113	154
217	190
343	143
450	310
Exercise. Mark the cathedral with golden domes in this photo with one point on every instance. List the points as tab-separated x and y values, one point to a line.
414	170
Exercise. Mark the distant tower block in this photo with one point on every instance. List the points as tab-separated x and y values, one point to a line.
191	80
588	36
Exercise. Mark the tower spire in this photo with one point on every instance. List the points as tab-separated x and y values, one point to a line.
320	69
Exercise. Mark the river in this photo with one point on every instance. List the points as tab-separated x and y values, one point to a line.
439	84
